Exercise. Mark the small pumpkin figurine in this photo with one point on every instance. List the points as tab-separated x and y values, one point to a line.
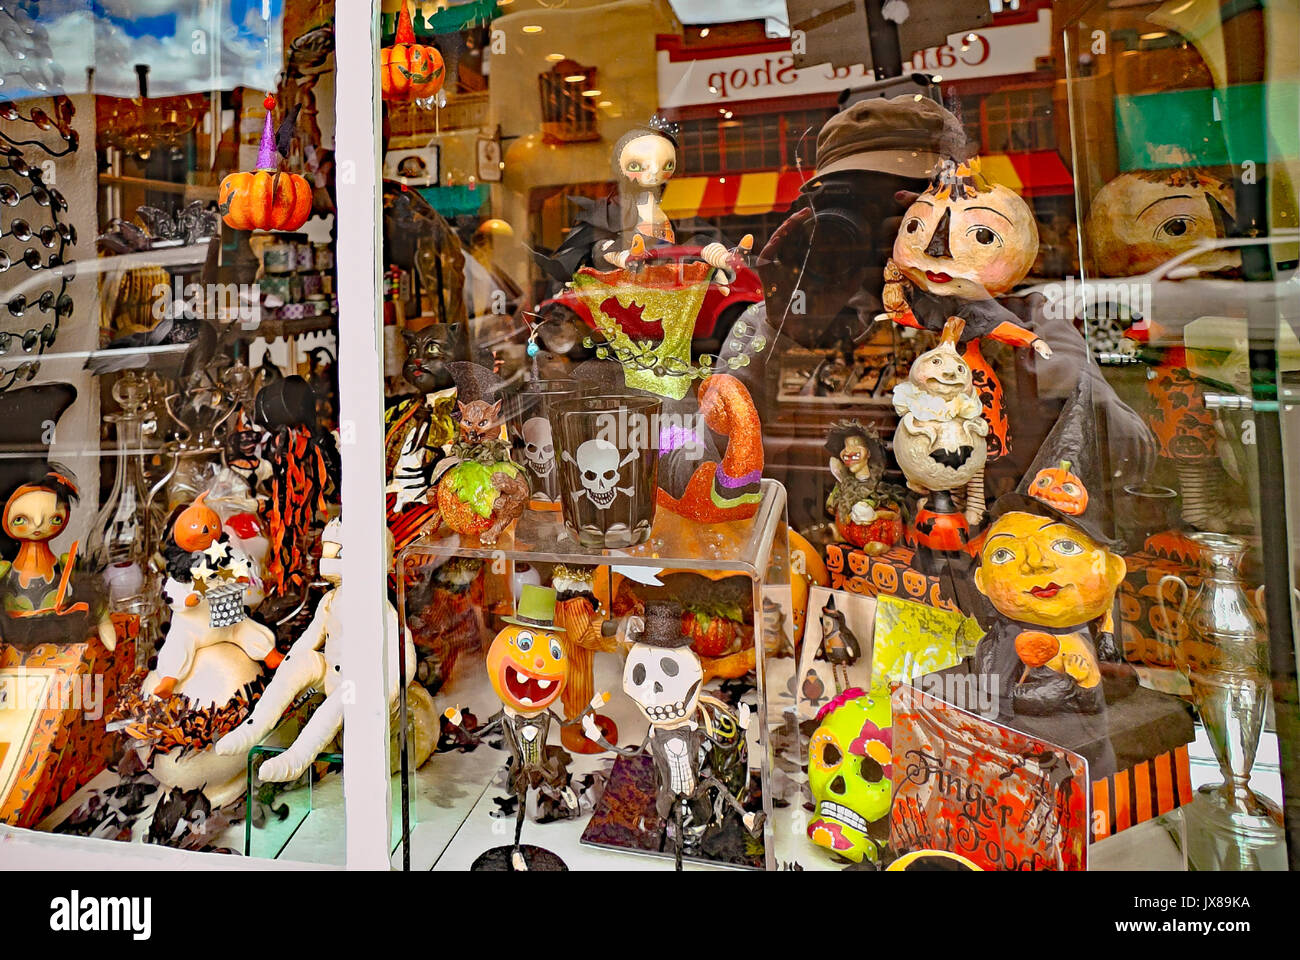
1062	489
266	198
409	70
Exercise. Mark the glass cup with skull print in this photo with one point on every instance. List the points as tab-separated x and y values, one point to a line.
607	455
530	432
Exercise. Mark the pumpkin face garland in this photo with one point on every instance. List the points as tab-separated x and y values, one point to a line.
266	198
409	70
963	243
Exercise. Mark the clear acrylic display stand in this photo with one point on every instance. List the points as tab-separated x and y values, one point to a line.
452	794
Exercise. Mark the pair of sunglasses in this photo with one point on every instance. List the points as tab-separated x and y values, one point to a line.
46	302
45	196
32	258
20	229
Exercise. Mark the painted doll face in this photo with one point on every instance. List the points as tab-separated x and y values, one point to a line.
527	667
941	372
1137	222
972	248
855	456
1039	570
648	161
36	515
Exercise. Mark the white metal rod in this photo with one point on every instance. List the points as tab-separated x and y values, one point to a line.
361	399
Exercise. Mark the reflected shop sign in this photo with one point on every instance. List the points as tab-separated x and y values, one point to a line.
995	51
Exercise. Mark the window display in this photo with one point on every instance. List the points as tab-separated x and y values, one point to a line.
765	446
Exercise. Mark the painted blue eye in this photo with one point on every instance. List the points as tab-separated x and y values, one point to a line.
557	652
524	642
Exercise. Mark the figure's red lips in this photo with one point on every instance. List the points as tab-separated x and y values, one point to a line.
1047	592
527	688
937	277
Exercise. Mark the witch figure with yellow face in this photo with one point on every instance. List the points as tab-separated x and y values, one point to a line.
1050	571
528	669
964	242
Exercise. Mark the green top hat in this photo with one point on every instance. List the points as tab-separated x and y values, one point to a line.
536	608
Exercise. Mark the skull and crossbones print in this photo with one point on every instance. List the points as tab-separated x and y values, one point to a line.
600	469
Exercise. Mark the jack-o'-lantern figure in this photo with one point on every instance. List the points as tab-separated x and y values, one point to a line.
849	772
526	663
528	669
266	198
1050	570
409	70
197	527
964	242
1062	489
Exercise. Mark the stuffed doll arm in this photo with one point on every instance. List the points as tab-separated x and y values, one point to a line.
1017	336
302	668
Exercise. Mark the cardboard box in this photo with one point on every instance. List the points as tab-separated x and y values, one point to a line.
54	701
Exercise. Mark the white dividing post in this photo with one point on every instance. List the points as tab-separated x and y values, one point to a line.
361	400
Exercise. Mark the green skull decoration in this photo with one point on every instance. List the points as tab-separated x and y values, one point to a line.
849	770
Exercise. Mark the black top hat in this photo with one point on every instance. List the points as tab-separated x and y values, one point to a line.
663	626
1065	481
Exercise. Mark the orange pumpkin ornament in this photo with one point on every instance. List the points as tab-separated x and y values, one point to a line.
1058	487
197	527
409	70
265	198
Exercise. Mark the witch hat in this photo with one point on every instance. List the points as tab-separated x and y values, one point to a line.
1065	481
28	418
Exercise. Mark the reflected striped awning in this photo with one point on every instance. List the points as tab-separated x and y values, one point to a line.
1037	173
746	194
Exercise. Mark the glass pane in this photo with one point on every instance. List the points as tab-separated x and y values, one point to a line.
168	370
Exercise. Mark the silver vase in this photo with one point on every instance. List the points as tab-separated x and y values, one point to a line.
1225	660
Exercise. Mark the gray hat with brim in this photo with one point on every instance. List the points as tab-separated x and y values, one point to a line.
908	136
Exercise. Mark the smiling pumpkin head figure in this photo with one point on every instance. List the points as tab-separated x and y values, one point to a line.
526	662
1041	570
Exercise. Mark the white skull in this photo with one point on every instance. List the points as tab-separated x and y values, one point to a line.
599	463
539	451
664	683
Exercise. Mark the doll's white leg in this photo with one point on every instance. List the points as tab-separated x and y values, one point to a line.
176	655
323	726
300	670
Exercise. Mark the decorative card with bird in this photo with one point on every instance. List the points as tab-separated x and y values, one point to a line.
836	651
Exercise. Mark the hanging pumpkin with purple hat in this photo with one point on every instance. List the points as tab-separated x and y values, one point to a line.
409	70
266	198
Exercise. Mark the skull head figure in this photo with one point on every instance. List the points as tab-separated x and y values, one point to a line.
849	773
599	464
664	684
662	674
539	450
